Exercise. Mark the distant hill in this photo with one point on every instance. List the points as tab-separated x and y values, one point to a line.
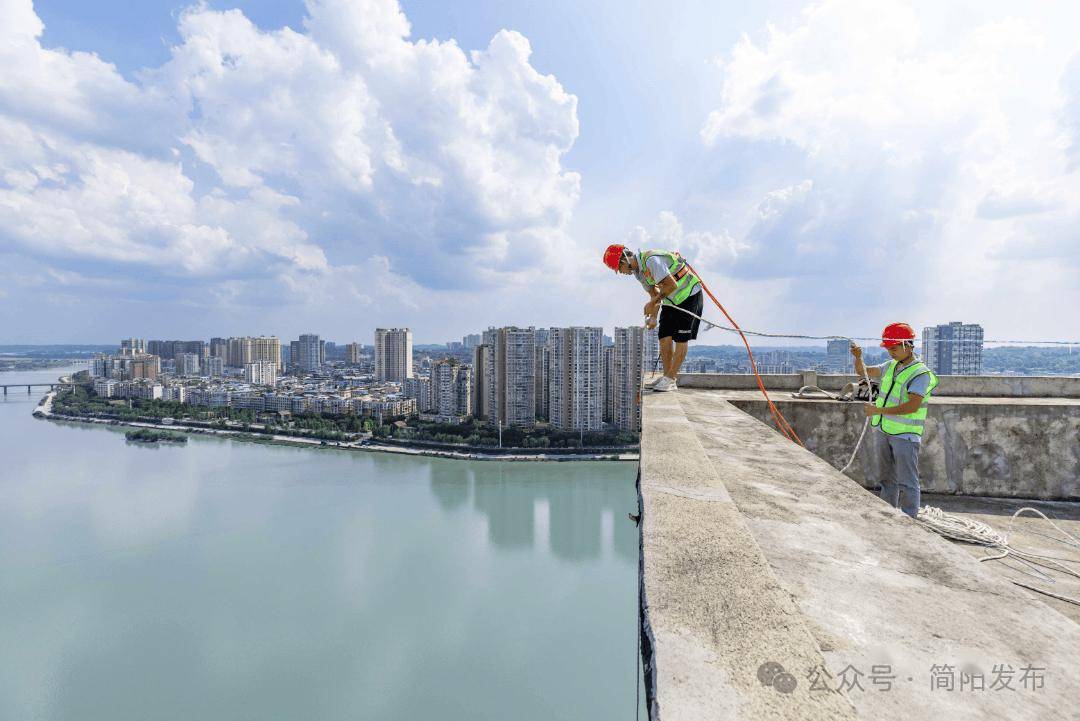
1032	361
56	351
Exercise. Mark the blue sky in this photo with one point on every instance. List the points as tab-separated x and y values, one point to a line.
169	170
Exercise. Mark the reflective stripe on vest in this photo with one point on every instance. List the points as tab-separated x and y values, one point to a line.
894	393
685	281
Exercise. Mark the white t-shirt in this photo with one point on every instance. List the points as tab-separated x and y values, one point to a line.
658	269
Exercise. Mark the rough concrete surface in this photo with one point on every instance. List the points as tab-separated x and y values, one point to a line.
1027	533
714	609
806	568
1001	447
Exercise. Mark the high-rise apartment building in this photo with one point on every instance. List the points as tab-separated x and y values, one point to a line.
953	349
543	372
470	341
307	353
352	353
214	366
418	387
451	390
261	372
239	353
171	349
132	346
144	365
575	385
628	362
838	356
266	348
509	376
607	375
480	357
187	364
651	357
393	354
219	347
125	366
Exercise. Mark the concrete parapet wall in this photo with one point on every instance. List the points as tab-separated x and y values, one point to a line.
756	551
712	610
966	386
970	447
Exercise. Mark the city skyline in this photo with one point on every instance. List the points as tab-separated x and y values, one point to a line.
518	378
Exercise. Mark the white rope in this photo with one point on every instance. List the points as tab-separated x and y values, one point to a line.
858	443
968	530
805	392
866	376
800	336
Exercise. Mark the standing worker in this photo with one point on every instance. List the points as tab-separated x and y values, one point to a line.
899	413
669	282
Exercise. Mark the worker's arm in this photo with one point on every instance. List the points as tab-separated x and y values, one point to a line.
659	291
909	406
860	368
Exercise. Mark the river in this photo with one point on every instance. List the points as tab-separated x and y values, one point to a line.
226	580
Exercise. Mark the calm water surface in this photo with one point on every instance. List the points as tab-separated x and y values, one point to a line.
230	580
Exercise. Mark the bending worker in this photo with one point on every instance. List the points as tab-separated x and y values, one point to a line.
899	413
668	280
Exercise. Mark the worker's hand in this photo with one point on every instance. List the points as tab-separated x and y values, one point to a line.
650	322
871	410
856	351
649	309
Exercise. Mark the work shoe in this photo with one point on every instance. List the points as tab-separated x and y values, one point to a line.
653	382
664	385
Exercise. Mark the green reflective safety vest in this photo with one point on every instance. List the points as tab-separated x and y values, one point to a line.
894	393
685	280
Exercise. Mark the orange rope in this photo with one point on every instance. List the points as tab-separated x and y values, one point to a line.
778	417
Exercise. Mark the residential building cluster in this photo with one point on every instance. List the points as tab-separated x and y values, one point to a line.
561	376
251	373
572	379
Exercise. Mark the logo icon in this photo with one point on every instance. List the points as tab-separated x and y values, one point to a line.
773	674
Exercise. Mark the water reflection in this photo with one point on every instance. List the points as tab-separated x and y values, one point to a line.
574	517
451	485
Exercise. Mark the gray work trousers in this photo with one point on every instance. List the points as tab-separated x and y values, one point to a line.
897	468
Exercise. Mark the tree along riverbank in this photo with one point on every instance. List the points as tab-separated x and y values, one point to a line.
365	443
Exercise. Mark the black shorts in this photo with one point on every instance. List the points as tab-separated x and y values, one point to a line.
679	326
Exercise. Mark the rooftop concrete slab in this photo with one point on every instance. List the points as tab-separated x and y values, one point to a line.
761	551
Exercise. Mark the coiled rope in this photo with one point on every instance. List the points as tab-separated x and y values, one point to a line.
967	530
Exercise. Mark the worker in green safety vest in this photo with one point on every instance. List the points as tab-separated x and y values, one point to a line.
671	285
899	414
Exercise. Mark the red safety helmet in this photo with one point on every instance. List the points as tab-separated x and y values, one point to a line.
613	255
897	333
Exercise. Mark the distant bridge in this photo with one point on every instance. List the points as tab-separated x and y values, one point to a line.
28	386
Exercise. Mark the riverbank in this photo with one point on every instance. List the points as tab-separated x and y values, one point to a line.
44	411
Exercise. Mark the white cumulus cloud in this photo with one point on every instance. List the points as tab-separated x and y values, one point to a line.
255	164
704	249
916	156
